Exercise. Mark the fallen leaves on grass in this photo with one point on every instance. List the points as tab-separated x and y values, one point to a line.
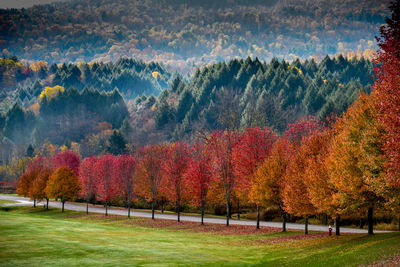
393	261
291	238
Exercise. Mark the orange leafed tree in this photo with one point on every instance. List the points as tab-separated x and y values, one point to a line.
321	192
31	174
356	161
38	188
63	184
267	183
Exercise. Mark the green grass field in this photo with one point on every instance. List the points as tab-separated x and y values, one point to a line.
3	201
36	237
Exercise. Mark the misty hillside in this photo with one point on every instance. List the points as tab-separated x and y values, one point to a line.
185	34
236	94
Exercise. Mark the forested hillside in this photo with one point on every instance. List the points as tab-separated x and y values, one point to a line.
235	94
248	93
22	84
185	34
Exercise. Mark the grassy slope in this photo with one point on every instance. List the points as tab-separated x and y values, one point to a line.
37	237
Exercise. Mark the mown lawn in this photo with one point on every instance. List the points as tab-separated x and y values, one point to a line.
36	237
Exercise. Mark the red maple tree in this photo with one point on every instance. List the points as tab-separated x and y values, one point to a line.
87	179
198	177
106	179
68	159
125	168
248	154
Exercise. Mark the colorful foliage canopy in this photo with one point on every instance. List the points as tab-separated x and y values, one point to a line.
68	159
63	184
249	153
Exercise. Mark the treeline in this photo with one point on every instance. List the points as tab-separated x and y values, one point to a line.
334	169
22	84
247	93
185	34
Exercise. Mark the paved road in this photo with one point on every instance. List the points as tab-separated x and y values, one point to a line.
76	207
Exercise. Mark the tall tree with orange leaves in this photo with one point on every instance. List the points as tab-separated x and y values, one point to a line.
27	180
356	161
294	194
248	154
63	184
321	192
267	182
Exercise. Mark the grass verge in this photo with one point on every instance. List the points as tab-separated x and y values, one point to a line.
36	237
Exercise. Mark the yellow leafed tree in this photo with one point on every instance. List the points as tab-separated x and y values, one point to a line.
50	92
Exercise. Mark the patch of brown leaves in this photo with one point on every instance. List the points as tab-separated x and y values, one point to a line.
393	261
210	228
291	237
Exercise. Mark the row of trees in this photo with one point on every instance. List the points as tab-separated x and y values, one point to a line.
311	169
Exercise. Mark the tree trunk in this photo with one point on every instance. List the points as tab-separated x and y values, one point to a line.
370	221
162	207
337	225
399	223
258	216
178	206
361	223
325	220
129	209
202	212
47	205
284	222
238	209
63	202
87	205
227	212
34	203
306	226
106	208
152	209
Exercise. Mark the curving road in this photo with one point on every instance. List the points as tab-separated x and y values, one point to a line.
123	212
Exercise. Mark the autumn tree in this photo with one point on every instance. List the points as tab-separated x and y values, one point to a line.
68	159
38	188
149	173
356	161
126	166
63	184
248	154
106	179
26	182
387	90
87	179
321	192
294	193
198	177
220	145
174	166
267	183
